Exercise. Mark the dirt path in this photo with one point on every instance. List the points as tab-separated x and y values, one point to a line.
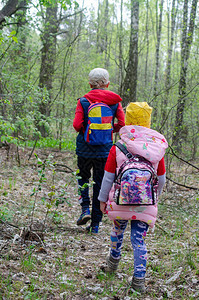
65	264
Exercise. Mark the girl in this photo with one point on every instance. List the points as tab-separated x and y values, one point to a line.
139	139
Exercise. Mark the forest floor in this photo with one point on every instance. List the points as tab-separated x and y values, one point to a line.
63	261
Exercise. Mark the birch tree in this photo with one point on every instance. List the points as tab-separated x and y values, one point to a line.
106	16
147	42
121	48
157	56
171	32
130	81
48	56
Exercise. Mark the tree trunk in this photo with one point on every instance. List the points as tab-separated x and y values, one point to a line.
187	38
106	35
10	8
98	28
120	49
169	59
157	59
130	81
147	42
48	56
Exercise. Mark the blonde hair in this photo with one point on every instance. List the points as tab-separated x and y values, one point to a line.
98	77
138	113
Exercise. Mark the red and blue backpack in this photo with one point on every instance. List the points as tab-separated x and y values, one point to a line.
99	123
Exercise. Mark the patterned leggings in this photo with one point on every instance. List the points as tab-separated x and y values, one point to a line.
138	234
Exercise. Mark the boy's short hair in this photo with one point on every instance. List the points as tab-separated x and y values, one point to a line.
138	113
98	77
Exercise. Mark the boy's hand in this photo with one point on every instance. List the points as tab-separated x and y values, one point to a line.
103	207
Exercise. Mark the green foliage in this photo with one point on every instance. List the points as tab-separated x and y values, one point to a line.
65	4
80	47
12	35
5	214
6	131
55	196
49	142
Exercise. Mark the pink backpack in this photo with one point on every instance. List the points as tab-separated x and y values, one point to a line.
136	182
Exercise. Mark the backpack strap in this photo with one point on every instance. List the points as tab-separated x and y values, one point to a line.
124	150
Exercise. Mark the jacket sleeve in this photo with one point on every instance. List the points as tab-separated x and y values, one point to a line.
161	172
120	117
111	163
109	175
78	122
161	183
161	167
106	186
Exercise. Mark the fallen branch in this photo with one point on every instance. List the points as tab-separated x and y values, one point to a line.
188	163
33	149
6	223
183	185
3	246
64	166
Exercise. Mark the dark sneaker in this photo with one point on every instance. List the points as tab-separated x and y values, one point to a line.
84	217
111	264
93	229
138	284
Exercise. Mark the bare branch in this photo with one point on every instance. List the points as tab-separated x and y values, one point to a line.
11	7
64	166
183	185
71	15
182	159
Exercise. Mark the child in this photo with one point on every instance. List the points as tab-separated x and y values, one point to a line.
141	216
94	156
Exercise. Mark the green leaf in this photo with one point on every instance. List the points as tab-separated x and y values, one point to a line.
48	205
51	194
12	33
15	39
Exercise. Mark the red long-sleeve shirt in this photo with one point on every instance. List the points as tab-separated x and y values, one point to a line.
111	163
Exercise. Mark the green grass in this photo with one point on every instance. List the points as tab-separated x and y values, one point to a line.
5	214
68	143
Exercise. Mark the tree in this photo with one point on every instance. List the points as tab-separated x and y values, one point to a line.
121	49
171	31
157	56
130	81
147	42
187	38
48	57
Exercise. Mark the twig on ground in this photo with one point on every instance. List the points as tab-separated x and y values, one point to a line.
160	227
6	223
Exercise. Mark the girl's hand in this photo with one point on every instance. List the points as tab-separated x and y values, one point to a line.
103	207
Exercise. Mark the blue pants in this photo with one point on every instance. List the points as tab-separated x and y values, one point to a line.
97	165
138	233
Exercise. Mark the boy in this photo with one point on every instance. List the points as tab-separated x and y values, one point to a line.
94	156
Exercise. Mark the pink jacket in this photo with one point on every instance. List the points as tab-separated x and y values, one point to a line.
151	145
